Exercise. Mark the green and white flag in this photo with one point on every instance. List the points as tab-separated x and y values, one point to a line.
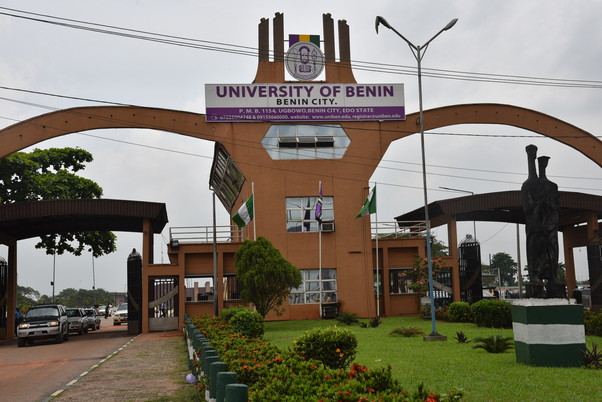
245	214
369	206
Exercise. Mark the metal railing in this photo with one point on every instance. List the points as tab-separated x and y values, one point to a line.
398	229
204	234
232	234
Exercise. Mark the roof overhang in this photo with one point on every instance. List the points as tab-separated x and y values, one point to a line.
505	206
30	219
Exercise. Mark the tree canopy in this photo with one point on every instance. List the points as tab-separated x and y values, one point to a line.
48	174
507	268
264	275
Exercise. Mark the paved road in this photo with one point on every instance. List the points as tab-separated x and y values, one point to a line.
34	372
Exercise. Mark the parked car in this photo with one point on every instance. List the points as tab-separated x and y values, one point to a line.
78	321
121	314
93	319
43	322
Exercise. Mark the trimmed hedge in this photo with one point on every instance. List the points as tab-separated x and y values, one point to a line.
459	312
492	313
335	347
593	323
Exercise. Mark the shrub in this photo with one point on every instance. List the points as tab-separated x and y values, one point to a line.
334	347
459	312
461	337
229	312
407	332
492	314
494	344
593	323
592	358
441	314
371	323
247	322
347	318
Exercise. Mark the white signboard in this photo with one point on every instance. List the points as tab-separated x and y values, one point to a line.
304	102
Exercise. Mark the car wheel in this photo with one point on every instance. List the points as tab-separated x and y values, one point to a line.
58	338
21	342
30	341
66	336
80	331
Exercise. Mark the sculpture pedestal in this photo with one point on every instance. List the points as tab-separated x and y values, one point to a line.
548	332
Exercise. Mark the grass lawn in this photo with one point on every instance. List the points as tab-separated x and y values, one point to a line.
443	366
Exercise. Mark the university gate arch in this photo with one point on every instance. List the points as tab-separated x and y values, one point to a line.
243	139
68	121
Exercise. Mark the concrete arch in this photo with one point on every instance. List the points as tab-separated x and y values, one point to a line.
55	124
491	113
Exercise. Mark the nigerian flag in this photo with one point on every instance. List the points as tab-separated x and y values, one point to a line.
369	206
244	214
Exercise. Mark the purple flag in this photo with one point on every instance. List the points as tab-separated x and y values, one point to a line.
319	206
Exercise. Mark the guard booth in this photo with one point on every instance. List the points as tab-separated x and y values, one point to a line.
134	295
469	262
594	263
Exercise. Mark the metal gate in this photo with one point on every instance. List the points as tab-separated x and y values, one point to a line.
163	306
469	261
3	298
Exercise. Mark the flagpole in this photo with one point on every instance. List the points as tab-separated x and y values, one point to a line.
320	253
254	226
377	268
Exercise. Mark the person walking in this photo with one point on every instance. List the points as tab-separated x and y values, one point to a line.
107	308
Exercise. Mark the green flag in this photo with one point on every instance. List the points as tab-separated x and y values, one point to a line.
244	214
369	206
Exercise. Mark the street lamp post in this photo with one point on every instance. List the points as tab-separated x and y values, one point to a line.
474	223
418	52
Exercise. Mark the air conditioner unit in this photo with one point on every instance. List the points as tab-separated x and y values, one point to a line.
327	227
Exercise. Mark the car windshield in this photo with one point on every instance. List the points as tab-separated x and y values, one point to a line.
89	312
122	307
42	312
73	312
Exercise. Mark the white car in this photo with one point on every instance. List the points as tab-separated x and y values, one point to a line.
121	314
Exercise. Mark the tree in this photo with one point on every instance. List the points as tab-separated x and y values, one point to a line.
27	296
83	297
264	275
507	268
438	248
48	174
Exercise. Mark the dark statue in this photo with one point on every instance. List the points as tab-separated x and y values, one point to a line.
540	199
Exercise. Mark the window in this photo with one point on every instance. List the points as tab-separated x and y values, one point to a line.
199	288
312	286
301	213
399	280
231	287
305	141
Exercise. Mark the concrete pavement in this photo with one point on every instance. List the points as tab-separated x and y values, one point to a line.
148	367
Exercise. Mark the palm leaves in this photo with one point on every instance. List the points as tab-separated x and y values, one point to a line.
494	344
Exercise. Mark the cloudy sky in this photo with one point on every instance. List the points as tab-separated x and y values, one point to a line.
536	54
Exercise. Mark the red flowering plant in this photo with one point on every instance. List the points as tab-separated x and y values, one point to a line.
420	278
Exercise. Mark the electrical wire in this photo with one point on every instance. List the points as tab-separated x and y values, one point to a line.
253	52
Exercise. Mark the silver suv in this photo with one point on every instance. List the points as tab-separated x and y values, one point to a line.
43	322
77	320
